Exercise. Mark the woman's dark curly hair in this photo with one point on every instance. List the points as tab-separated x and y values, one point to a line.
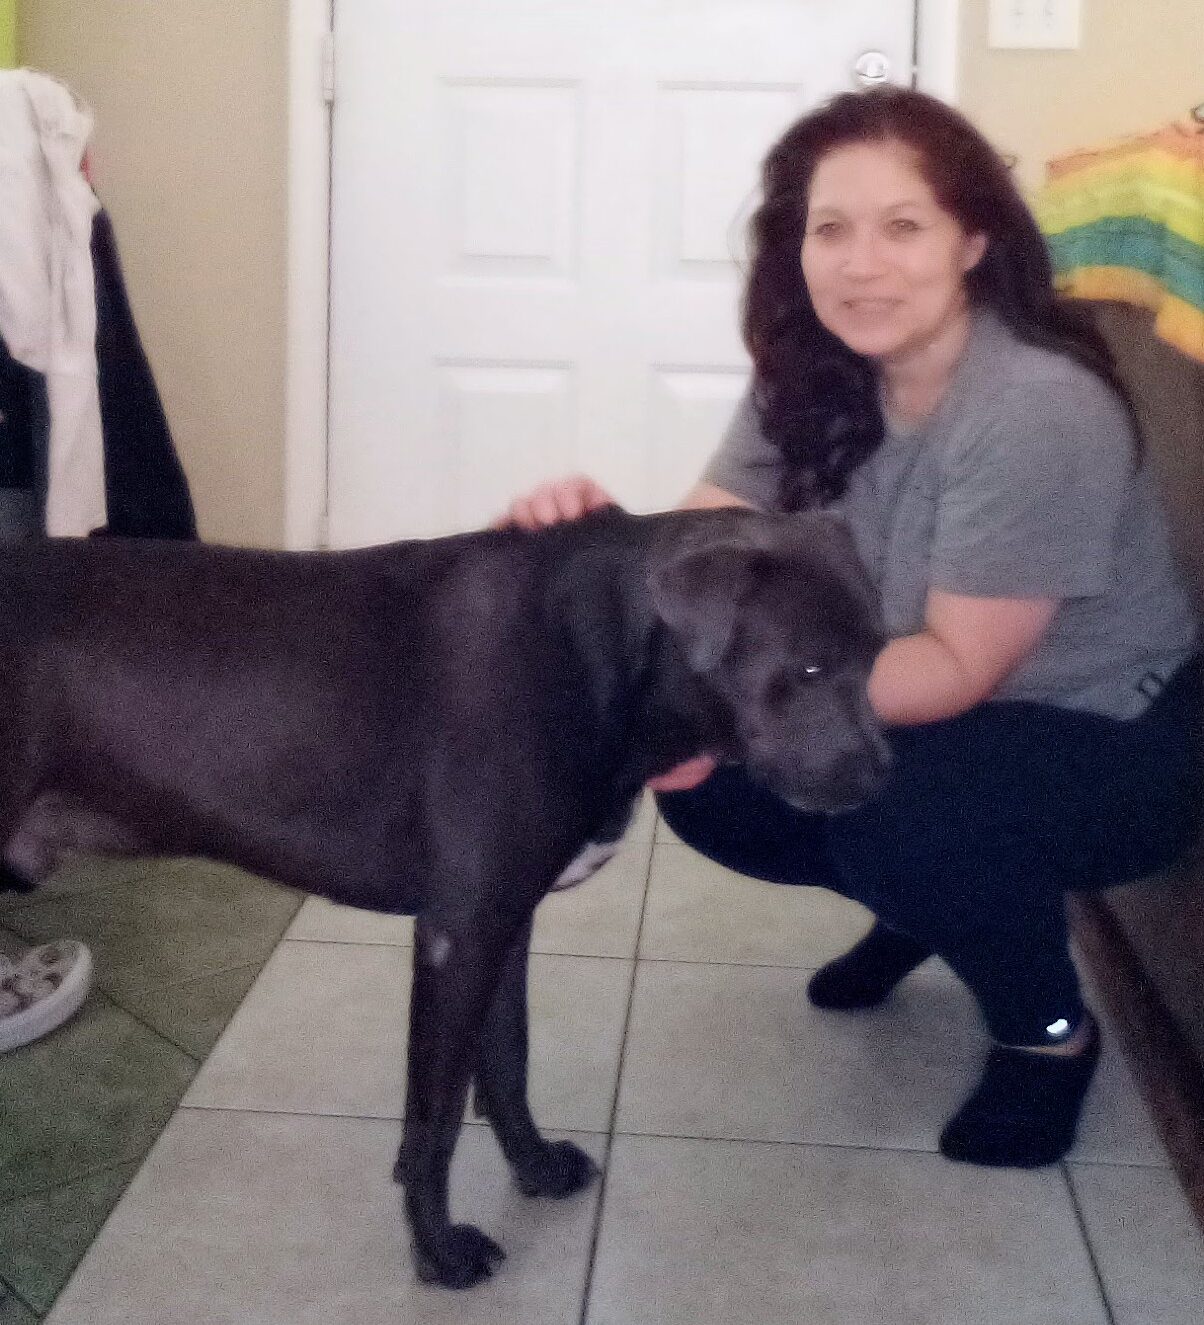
817	400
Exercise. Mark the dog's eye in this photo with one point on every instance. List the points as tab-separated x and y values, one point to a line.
786	683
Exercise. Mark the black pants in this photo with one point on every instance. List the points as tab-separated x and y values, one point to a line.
986	821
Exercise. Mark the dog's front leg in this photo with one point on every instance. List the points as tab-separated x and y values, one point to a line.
541	1168
455	974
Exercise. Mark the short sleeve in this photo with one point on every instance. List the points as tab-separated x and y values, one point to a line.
746	464
1031	499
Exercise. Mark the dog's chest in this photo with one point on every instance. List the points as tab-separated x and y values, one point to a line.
585	863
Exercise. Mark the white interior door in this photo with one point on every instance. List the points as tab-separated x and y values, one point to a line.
538	213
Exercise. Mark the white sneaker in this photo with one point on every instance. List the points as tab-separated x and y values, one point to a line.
42	990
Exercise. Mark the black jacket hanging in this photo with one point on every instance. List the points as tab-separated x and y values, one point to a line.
146	492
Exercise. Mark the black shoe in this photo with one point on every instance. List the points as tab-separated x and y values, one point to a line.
867	973
1024	1112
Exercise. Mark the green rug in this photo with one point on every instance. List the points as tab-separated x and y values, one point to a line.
177	944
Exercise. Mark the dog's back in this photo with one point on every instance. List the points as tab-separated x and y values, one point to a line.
306	715
210	698
357	723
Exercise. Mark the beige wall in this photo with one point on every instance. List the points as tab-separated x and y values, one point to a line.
190	159
1140	64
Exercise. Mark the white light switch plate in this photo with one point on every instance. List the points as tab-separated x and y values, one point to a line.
1034	24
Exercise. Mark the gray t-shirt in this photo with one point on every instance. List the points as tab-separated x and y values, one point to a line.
1021	484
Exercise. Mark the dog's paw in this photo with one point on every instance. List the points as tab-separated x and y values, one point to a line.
12	880
560	1170
463	1258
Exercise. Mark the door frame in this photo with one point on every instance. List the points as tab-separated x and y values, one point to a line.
307	324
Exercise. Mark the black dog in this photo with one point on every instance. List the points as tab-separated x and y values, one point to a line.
445	728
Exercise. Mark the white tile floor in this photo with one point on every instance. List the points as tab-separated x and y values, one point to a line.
764	1162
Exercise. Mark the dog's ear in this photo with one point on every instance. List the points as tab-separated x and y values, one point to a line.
835	539
698	595
588	599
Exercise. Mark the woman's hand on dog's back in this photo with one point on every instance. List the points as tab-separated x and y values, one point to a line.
575	495
554	502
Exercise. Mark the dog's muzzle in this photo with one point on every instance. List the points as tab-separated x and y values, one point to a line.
849	782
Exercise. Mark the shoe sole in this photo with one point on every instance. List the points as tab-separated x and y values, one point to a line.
47	1014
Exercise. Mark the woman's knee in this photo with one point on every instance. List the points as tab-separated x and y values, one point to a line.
691	818
738	824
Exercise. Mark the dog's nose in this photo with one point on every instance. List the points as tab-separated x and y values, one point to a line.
859	776
849	781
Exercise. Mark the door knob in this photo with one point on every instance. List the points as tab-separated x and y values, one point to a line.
872	68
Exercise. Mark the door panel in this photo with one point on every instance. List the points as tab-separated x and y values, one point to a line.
537	237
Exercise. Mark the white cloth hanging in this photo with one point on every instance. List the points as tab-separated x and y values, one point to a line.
47	291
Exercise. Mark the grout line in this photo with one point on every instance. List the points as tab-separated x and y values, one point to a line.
207	974
262	1111
318	941
1082	1225
600	1207
1145	1166
733	965
79	1175
17	1295
791	1143
154	1030
348	943
115	998
794	1144
478	1124
303	1113
595	956
611	1134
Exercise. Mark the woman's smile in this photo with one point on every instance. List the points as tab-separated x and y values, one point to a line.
873	306
884	263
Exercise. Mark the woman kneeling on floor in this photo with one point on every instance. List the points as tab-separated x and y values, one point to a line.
914	370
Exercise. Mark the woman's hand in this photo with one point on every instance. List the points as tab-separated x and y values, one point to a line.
555	502
685	776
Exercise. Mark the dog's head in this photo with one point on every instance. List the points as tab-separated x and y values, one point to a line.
778	618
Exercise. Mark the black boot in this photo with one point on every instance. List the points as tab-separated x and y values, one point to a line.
868	972
1025	1110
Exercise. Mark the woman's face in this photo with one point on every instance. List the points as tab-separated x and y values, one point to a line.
884	263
